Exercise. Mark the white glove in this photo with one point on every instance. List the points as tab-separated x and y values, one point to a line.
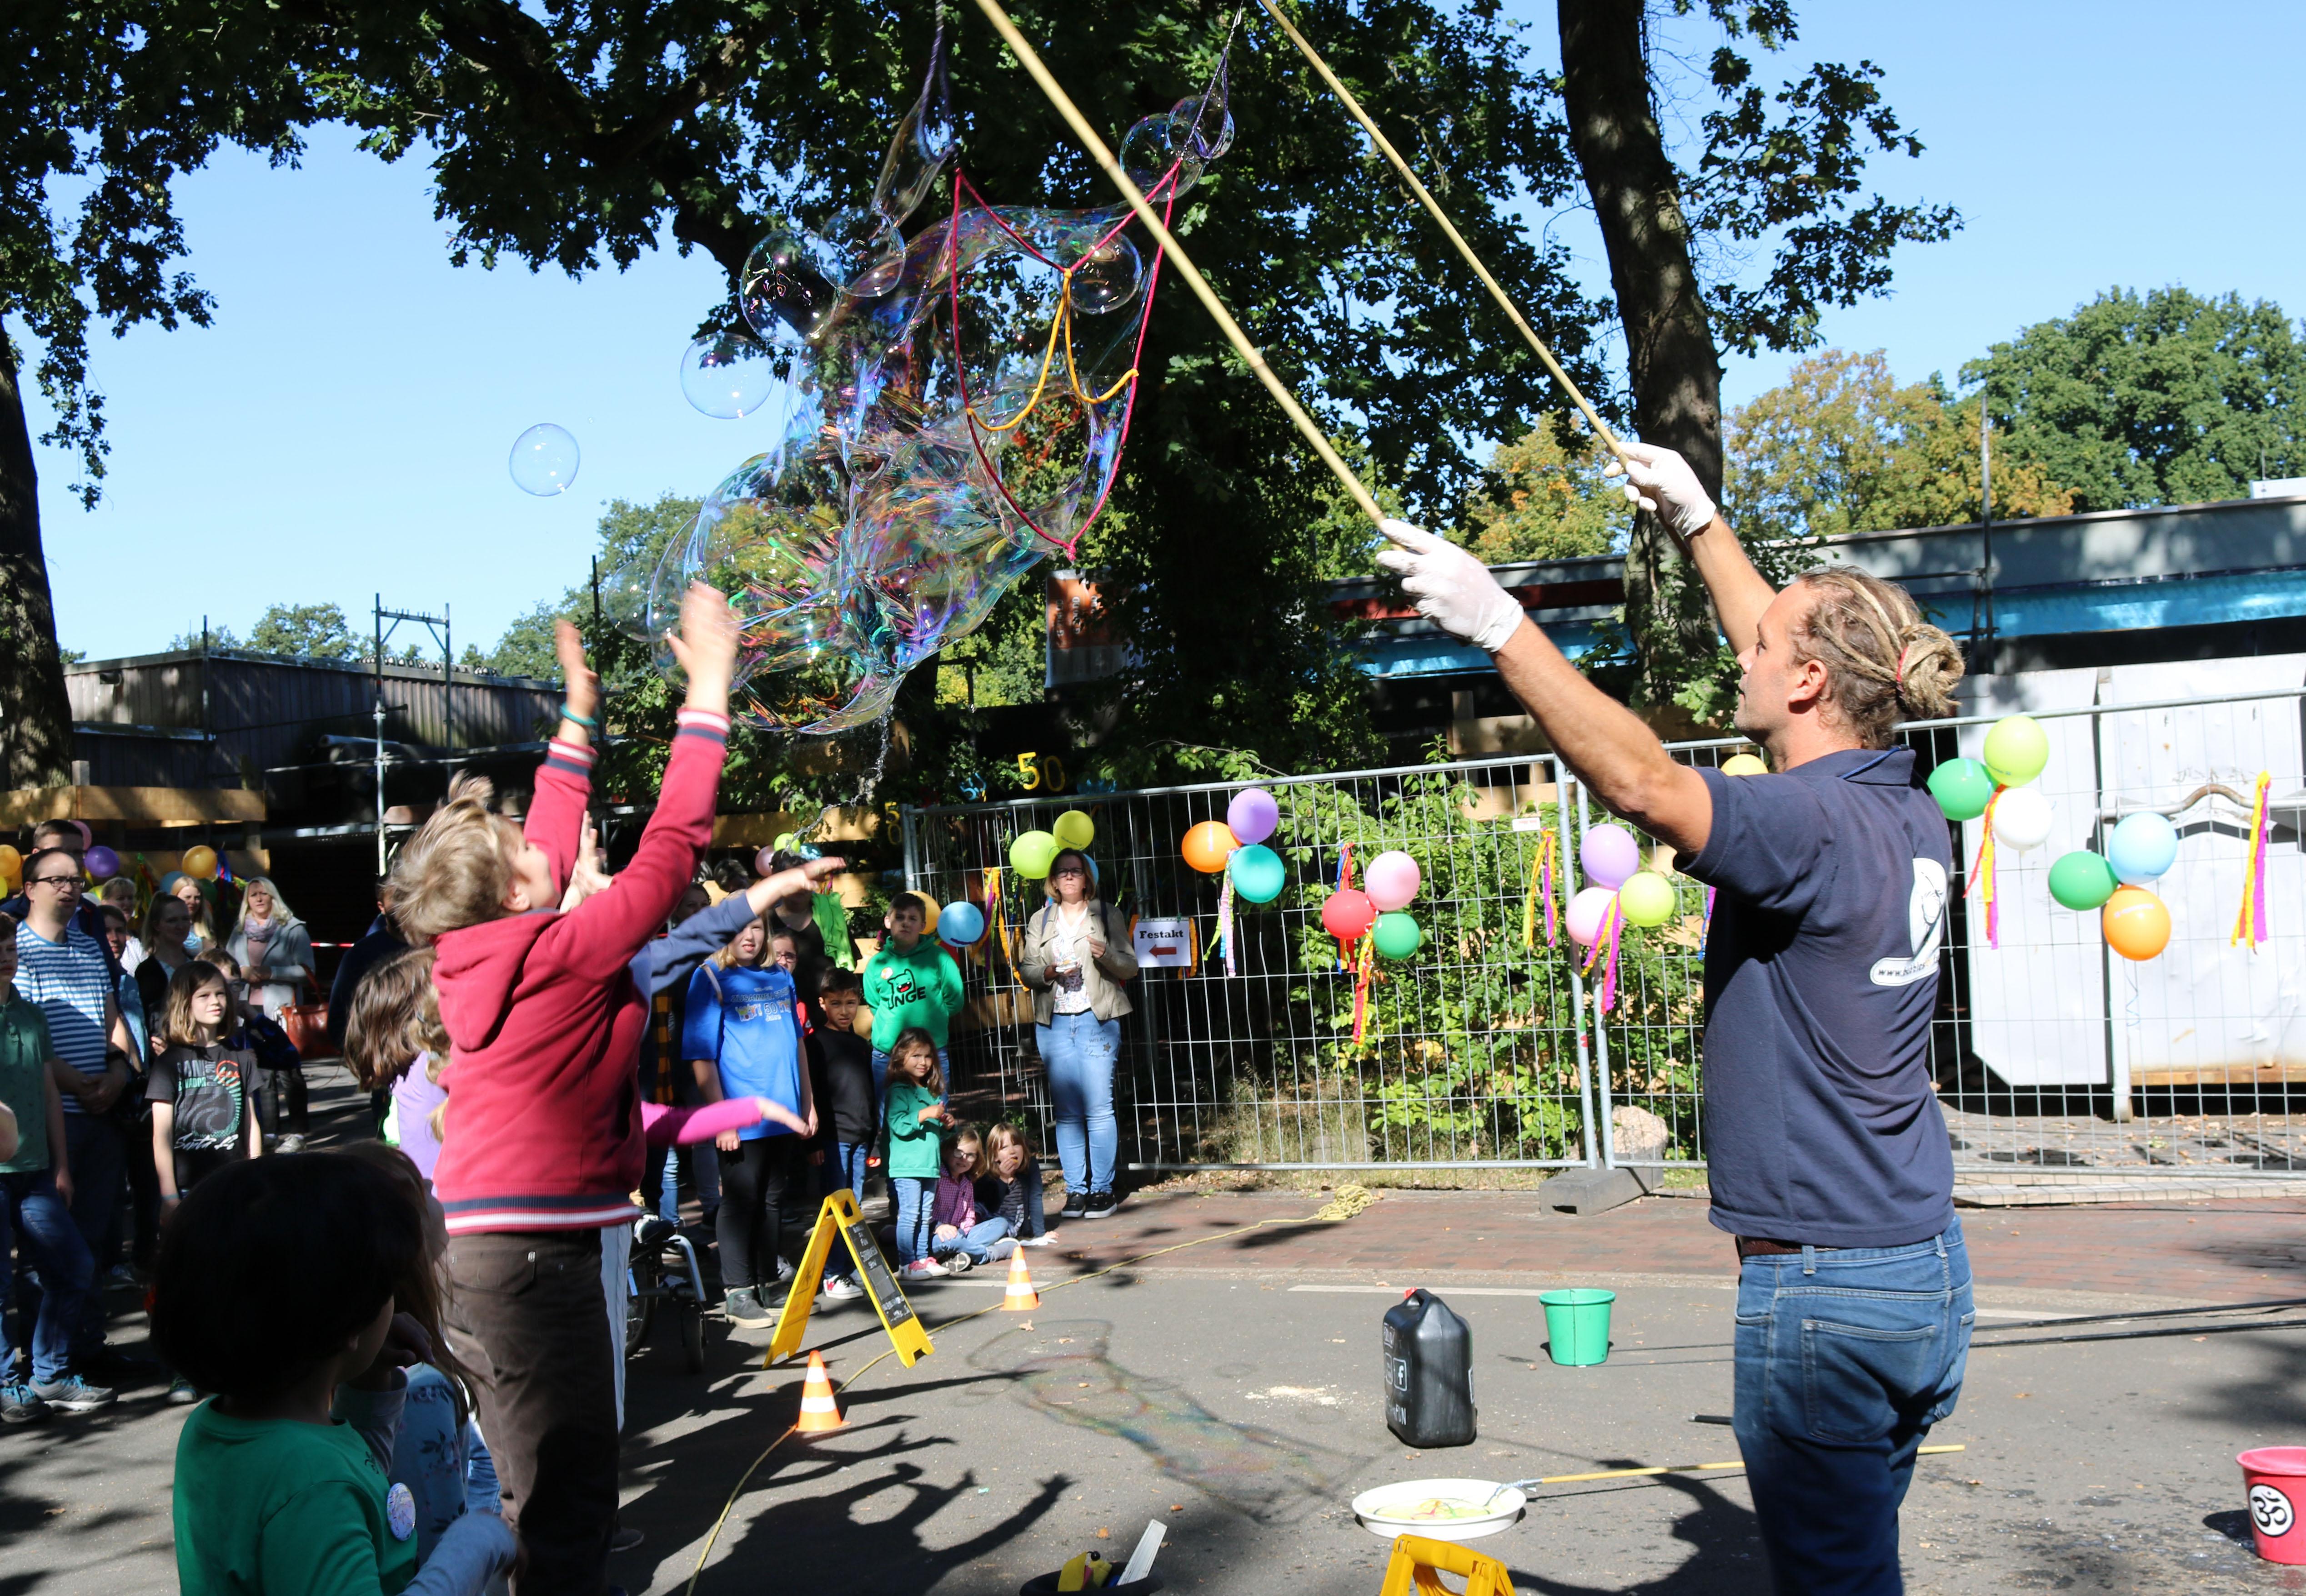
1661	482
1452	589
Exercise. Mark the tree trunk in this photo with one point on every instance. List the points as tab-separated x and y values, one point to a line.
34	718
1675	370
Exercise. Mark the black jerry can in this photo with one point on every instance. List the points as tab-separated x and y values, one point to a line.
1429	1372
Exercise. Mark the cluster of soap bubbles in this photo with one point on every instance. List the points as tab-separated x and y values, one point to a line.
949	409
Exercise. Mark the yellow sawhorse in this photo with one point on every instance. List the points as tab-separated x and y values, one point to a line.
1418	1565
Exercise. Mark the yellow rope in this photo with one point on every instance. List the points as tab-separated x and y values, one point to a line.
1061	324
1350	1201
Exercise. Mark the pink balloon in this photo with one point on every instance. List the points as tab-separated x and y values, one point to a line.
1252	814
1392	880
1610	855
1586	912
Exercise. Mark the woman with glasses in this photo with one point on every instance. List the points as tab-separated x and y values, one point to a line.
1075	960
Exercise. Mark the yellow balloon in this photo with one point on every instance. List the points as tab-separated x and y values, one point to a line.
200	863
1646	899
1743	764
12	863
1075	829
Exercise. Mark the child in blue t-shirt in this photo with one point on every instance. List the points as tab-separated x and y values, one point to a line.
741	1036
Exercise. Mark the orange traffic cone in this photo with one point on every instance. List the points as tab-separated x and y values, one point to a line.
1020	1297
818	1411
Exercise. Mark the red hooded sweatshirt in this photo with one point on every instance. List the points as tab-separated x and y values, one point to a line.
543	1129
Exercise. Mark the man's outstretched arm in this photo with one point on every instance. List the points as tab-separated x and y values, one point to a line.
1661	482
1603	741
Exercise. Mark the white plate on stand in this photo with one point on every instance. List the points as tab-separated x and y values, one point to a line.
1407	1508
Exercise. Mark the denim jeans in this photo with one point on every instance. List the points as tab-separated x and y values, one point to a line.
660	1180
32	1209
99	1165
916	1201
1078	1051
979	1241
1845	1358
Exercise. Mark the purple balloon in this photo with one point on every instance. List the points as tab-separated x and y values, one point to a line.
1252	814
102	863
1610	855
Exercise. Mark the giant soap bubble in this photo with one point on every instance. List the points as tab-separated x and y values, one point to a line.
545	460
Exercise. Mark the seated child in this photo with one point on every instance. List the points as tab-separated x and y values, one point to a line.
276	1285
1010	1189
965	1236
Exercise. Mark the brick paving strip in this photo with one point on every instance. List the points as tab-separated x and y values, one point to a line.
2070	1259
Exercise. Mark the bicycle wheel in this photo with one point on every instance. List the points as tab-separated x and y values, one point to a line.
641	1287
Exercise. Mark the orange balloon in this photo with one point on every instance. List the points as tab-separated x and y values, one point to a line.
1208	845
2137	925
200	863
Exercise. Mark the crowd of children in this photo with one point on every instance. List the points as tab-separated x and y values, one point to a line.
441	1311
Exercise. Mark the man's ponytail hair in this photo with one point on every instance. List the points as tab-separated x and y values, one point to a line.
454	873
1883	662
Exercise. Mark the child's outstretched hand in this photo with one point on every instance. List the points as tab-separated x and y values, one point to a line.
705	647
777	1113
773	890
580	689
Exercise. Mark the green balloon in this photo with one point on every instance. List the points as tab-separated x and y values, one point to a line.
1962	787
1258	874
1397	934
1646	899
2016	749
2082	880
1032	853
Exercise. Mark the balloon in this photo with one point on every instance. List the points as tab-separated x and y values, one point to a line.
1258	874
102	863
1962	787
764	862
1075	829
2136	924
1032	853
2143	846
200	863
1252	814
1348	914
1397	935
1391	880
2016	749
12	863
1610	855
1585	914
960	923
1647	899
1743	764
545	460
2081	880
1208	845
2021	818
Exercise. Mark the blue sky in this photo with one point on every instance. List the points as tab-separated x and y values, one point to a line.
343	428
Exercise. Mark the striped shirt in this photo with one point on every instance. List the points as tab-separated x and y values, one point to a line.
71	982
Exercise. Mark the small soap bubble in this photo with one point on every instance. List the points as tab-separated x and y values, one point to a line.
1155	147
731	375
545	460
1107	276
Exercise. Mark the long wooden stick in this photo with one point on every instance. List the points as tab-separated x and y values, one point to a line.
1497	290
1682	1468
1185	266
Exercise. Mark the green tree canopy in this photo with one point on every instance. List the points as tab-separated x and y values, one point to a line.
309	632
1841	446
1548	501
2161	398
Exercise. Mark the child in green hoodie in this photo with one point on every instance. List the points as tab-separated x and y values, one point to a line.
910	982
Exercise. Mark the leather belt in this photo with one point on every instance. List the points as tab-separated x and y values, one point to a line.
1757	1247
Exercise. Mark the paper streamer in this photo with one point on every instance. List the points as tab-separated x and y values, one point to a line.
2250	924
1365	960
1981	872
1541	885
1225	922
1705	933
1605	944
1345	880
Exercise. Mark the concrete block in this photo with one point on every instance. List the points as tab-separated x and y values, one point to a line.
1591	1191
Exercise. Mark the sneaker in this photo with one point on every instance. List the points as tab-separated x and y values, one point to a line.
18	1406
842	1289
959	1263
1076	1205
183	1392
744	1307
1101	1205
290	1143
72	1395
625	1539
121	1275
1040	1241
925	1269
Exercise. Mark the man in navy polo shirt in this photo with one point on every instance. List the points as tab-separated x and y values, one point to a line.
1827	1157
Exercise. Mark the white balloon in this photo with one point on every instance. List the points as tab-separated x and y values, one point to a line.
2021	818
1586	913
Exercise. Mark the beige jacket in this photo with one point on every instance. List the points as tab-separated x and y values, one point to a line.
1102	977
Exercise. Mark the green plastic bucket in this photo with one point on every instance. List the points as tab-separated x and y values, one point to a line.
1578	1324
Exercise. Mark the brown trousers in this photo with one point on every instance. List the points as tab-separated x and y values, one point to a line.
527	1315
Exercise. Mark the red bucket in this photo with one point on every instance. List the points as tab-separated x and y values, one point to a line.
2276	1477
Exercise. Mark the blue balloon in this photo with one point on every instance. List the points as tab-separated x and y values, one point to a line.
1258	873
2142	847
960	923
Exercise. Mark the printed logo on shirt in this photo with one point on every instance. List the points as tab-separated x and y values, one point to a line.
774	1008
400	1511
902	985
1924	925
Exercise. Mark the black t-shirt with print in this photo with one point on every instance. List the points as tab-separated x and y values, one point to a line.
208	1087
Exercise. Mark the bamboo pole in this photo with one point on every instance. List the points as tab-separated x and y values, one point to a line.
1683	1468
1497	290
1200	284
